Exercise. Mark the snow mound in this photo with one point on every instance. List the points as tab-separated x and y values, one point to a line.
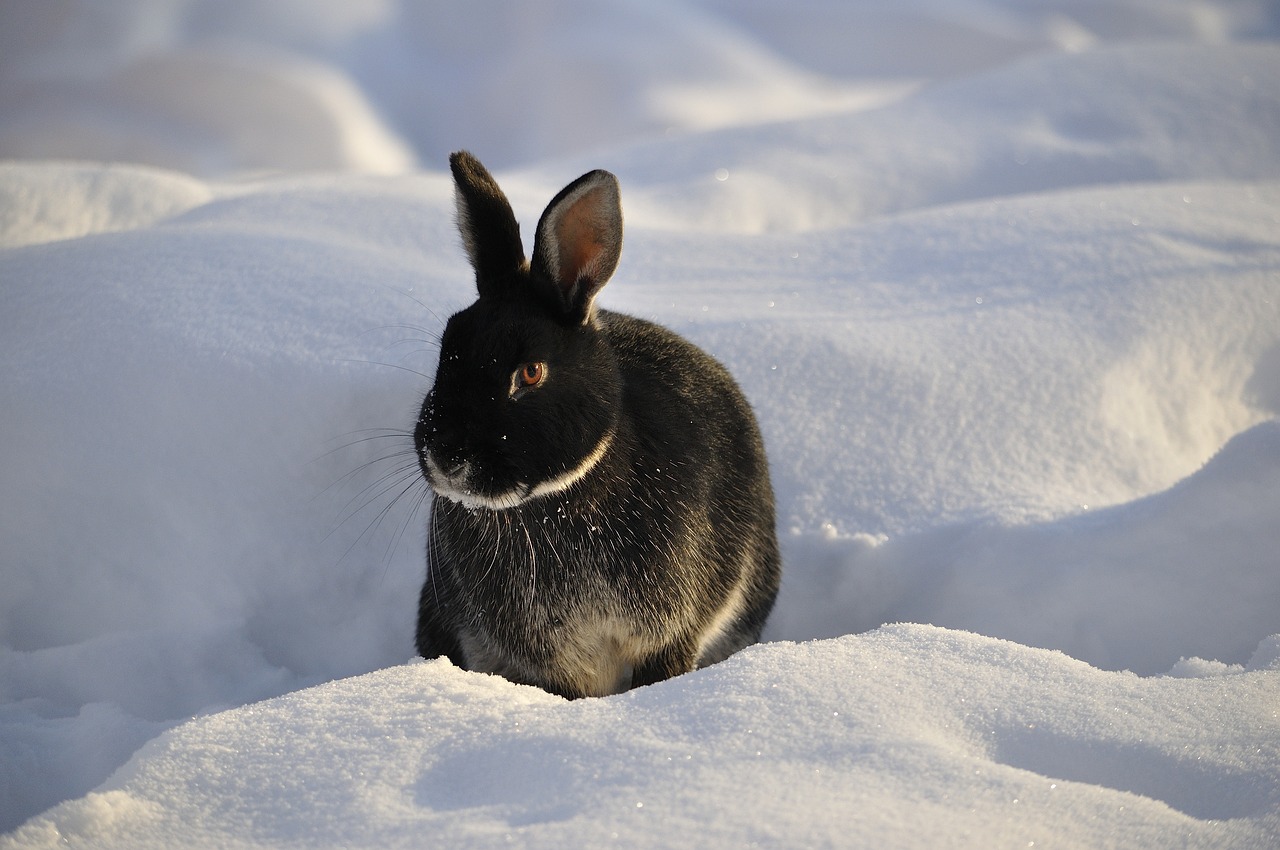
879	733
46	202
218	89
1037	354
211	110
1118	114
1139	586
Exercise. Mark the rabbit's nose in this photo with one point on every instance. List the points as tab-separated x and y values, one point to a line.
451	464
447	470
456	470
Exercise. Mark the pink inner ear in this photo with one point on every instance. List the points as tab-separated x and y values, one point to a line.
579	241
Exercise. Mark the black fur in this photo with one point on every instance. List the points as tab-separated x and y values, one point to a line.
654	552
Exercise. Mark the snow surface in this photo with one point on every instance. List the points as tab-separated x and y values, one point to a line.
1002	279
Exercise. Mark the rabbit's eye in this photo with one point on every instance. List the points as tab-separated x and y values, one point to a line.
528	376
531	374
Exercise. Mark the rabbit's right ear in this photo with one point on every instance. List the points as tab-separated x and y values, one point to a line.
578	241
488	226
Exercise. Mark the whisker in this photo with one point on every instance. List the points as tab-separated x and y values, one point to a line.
403	528
371	435
496	549
422	375
416	300
378	518
533	562
407	460
431	336
433	549
392	479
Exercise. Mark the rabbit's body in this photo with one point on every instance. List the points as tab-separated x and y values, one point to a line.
602	521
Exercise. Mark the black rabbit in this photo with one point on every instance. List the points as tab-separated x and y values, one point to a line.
603	515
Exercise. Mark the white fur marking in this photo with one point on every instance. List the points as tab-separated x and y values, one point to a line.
570	477
719	625
453	487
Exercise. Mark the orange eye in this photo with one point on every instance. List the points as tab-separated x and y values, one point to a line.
530	375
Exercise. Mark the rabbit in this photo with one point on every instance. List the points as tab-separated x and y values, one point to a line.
602	516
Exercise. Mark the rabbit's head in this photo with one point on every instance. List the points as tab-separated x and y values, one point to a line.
527	392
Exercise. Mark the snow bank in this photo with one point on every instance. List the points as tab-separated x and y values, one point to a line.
1048	122
1013	337
206	110
1015	359
1138	586
217	88
909	736
222	88
46	203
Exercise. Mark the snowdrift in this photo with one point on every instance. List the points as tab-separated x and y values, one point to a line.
1006	299
910	736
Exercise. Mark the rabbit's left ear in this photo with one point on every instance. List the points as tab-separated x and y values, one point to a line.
488	227
578	242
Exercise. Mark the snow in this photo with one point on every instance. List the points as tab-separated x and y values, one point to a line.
1002	280
930	737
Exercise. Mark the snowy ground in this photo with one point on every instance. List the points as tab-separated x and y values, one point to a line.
1001	278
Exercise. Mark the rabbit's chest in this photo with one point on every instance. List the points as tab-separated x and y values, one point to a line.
567	625
565	598
591	656
546	566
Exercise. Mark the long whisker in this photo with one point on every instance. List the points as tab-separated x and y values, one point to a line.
533	562
433	548
416	300
407	466
396	455
378	518
370	435
403	528
422	375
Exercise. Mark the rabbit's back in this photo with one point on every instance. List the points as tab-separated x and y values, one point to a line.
692	424
686	410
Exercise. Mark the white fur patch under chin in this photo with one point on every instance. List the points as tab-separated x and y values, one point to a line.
477	501
453	488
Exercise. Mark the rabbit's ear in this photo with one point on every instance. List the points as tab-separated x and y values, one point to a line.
578	242
488	226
